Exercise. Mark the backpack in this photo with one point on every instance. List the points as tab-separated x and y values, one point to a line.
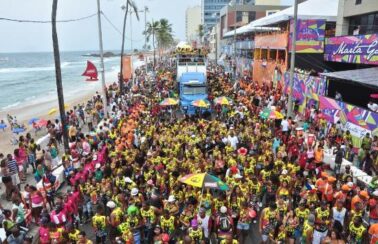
224	223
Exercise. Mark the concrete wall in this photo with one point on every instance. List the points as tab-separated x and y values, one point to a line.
366	6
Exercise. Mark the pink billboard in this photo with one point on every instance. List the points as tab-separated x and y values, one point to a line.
361	49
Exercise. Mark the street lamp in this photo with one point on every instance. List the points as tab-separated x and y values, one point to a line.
292	60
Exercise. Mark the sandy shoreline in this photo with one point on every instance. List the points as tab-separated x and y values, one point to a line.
26	111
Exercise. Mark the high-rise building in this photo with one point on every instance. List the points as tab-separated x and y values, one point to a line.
210	12
192	22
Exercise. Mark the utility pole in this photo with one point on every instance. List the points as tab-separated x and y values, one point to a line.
292	60
104	99
131	30
145	37
58	75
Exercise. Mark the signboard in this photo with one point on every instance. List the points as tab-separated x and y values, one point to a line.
310	35
272	41
361	49
126	67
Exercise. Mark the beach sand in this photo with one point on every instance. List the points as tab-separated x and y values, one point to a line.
25	112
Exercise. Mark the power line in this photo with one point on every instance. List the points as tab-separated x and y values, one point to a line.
116	29
46	21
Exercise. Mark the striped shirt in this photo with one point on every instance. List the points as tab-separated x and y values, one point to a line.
12	166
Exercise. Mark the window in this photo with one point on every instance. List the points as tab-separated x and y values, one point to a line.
363	24
239	16
193	90
358	2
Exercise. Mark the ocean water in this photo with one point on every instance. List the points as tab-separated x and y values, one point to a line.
30	77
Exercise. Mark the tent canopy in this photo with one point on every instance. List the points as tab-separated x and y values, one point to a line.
366	77
248	28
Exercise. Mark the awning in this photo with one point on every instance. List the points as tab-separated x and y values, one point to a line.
310	9
366	77
248	28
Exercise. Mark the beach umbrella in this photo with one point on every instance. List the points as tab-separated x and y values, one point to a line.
265	113
204	180
2	126
52	111
18	130
33	120
223	100
201	103
275	115
42	122
169	102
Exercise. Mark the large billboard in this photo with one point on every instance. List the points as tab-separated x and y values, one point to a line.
127	67
310	35
361	49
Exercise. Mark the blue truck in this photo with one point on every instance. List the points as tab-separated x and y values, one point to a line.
191	81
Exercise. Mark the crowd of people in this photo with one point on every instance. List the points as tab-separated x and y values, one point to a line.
125	174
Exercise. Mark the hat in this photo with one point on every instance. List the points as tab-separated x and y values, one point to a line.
171	199
364	194
97	166
150	182
234	169
311	219
194	223
331	179
165	237
345	187
324	174
375	193
134	192
128	180
202	210
284	172
242	151
238	176
111	204
350	184
159	167
223	209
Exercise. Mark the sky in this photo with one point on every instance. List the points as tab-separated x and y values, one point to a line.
83	35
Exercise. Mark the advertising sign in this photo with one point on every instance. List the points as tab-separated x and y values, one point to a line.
361	49
310	35
126	67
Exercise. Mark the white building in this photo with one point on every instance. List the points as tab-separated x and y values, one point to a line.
192	22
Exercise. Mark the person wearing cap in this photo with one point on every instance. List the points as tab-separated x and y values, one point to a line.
115	219
194	232
363	197
171	205
328	189
136	197
343	194
205	221
224	223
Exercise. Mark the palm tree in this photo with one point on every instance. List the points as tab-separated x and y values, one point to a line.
58	74
164	36
129	3
151	31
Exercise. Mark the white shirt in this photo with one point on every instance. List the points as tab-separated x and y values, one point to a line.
285	125
233	141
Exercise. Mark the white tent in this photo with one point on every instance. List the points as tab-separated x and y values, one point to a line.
311	9
248	28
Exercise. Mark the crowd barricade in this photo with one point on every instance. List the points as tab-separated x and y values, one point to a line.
358	175
58	172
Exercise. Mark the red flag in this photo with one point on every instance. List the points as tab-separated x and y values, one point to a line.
91	72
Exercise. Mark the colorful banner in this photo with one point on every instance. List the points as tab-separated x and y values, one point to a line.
310	35
271	41
305	87
357	120
361	49
127	67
